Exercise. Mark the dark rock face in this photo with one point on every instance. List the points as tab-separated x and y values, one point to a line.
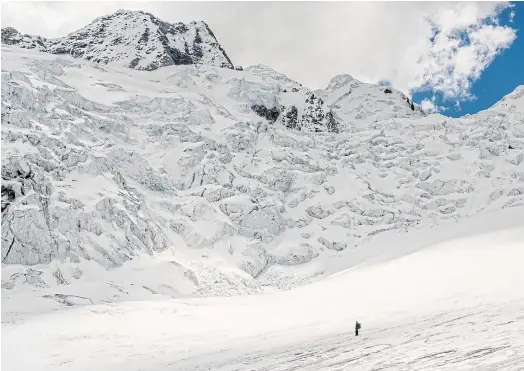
313	118
290	119
316	116
410	104
136	39
332	124
270	114
10	36
16	182
180	58
387	91
134	63
8	196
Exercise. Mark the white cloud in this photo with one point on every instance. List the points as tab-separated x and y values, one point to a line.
431	106
512	16
465	45
314	41
428	106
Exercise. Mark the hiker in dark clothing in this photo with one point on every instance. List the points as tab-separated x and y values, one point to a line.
357	327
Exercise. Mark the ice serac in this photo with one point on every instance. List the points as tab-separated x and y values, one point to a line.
194	180
134	39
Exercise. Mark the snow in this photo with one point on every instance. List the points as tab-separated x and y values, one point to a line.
448	306
157	220
120	148
512	102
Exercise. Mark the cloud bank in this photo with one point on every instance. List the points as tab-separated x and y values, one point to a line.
437	46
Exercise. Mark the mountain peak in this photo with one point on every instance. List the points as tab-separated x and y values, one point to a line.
125	11
339	81
134	39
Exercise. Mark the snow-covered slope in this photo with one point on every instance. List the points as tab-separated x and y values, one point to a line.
512	103
358	104
195	180
134	39
451	301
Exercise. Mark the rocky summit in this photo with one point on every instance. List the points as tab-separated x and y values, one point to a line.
135	166
133	39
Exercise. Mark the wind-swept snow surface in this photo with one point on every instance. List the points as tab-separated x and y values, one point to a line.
453	305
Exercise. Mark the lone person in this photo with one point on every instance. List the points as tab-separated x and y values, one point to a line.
357	327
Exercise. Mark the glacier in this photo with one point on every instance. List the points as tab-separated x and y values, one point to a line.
187	190
103	165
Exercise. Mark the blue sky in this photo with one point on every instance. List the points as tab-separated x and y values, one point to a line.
501	77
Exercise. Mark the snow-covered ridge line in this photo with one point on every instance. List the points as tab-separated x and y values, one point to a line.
133	39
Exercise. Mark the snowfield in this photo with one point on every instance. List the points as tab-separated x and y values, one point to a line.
194	217
451	305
